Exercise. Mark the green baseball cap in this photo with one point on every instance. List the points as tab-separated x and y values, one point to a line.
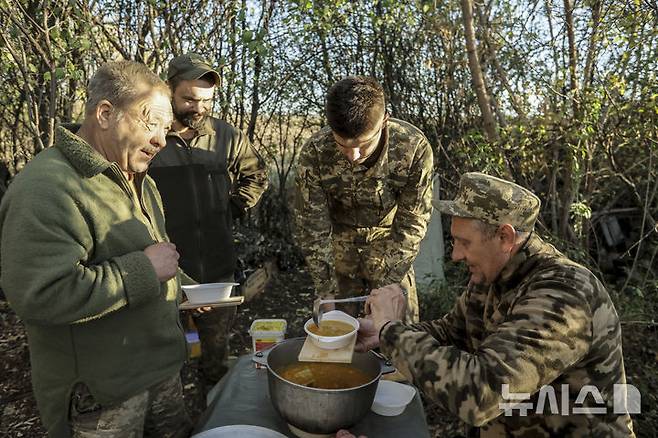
492	200
190	67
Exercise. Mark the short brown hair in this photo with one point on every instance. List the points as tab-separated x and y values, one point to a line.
121	83
354	105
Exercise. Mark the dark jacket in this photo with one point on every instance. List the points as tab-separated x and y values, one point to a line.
204	183
72	265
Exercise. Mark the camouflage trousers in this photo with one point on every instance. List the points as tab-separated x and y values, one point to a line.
354	276
157	412
214	328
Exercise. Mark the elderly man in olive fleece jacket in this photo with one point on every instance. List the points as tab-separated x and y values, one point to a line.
532	328
85	263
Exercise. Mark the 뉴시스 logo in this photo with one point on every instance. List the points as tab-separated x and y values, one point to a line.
625	399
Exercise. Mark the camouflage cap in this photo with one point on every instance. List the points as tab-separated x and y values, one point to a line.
190	67
494	201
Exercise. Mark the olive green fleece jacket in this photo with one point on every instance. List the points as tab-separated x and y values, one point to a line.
72	235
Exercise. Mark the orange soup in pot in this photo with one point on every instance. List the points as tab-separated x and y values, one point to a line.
323	375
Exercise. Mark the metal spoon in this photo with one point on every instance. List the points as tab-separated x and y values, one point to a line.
317	313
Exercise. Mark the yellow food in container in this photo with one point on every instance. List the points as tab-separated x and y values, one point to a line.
265	333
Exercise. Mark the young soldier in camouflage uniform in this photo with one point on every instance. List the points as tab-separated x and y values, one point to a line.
530	317
363	195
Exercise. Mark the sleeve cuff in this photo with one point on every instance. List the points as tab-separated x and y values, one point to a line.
389	334
383	327
140	282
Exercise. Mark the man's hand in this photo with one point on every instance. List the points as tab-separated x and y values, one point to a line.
164	258
388	303
202	310
368	336
347	434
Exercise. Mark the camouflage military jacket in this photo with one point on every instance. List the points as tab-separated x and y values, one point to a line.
546	329
383	208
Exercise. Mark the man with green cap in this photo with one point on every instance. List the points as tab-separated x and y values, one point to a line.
532	328
208	174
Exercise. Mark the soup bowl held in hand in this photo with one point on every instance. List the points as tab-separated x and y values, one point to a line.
208	292
337	330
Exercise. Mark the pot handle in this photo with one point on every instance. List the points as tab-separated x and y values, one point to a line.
387	367
260	357
384	362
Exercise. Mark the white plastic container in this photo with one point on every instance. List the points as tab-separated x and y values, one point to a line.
208	293
333	342
392	398
267	332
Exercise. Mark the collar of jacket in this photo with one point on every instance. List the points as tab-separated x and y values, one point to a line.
86	160
378	160
523	261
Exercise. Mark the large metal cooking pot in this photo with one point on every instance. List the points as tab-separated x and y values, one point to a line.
319	411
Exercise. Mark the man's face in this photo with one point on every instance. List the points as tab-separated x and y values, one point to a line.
485	257
358	149
139	133
192	102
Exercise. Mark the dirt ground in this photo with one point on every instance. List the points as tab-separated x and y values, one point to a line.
287	296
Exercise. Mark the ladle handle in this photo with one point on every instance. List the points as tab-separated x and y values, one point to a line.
346	300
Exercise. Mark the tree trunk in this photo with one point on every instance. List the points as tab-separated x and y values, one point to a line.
502	76
573	57
556	56
568	179
592	48
391	76
258	67
243	70
476	72
228	85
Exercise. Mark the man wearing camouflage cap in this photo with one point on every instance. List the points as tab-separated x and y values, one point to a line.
363	196
531	324
207	174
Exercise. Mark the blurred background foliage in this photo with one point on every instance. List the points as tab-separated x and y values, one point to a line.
560	96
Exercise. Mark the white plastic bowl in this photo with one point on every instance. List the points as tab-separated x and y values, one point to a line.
333	342
208	293
239	431
392	398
